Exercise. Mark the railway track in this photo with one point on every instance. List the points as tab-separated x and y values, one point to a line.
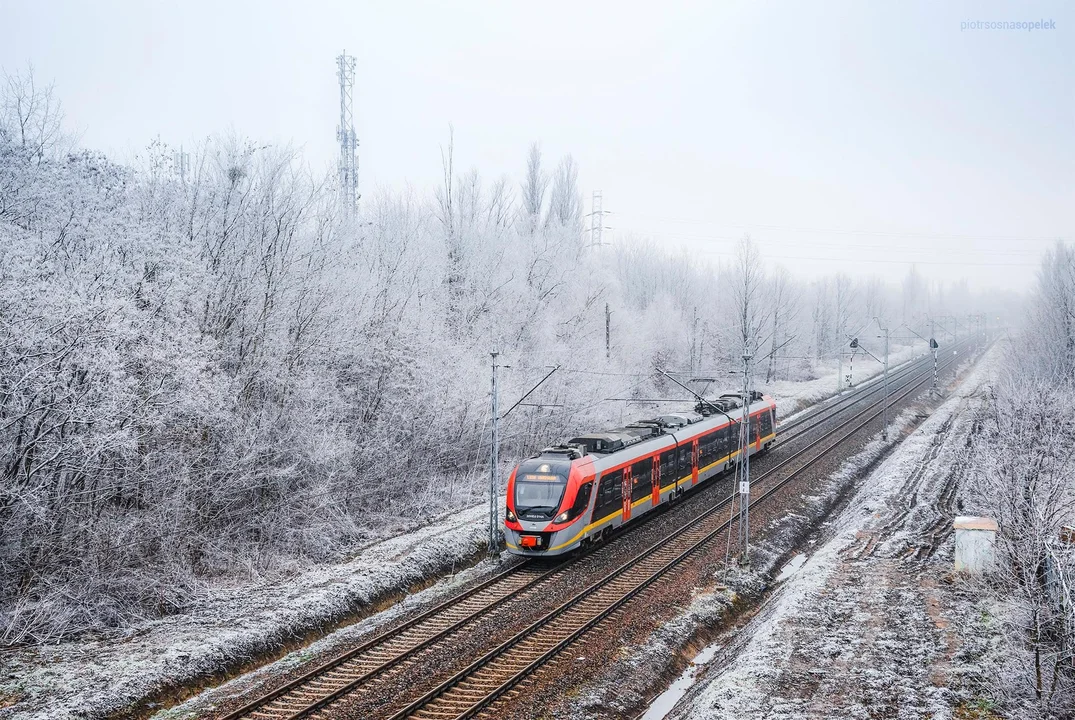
316	690
875	386
327	682
497	673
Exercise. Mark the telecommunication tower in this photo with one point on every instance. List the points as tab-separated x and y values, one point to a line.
345	134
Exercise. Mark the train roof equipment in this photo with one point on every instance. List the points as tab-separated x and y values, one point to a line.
570	450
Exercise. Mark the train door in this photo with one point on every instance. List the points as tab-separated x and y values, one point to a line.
656	477
694	462
627	493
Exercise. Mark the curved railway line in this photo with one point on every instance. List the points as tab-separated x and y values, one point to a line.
498	672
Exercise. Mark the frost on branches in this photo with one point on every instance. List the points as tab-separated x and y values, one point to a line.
1023	465
217	377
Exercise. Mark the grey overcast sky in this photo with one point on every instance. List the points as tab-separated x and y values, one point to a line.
858	136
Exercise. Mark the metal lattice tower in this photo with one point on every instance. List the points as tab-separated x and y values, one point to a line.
744	466
597	219
345	134
181	164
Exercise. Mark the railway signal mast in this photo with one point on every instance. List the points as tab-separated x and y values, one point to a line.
933	346
932	342
884	403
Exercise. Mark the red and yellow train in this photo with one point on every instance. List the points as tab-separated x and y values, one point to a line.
576	493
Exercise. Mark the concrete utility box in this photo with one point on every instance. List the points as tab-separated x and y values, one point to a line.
975	541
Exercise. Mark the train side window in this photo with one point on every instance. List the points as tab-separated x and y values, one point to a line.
609	494
668	466
640	479
731	438
685	466
582	501
766	423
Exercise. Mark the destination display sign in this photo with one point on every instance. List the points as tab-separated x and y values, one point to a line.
541	477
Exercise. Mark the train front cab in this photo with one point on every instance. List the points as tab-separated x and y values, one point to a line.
548	503
592	503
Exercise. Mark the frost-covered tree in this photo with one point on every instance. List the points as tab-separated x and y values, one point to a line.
1022	468
914	293
1023	459
218	374
785	296
535	184
1051	333
750	308
565	204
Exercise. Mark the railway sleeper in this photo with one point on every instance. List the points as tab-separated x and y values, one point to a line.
492	677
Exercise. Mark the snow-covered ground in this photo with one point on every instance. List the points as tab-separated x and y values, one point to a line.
93	677
630	680
233	625
864	627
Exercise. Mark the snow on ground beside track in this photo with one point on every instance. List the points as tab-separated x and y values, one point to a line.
231	625
863	627
629	681
93	677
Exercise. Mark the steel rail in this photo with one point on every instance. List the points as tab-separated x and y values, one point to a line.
330	691
872	385
861	393
382	637
471	706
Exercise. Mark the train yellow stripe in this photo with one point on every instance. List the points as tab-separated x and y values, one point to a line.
635	504
586	529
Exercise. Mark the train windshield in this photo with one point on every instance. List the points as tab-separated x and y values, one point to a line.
539	487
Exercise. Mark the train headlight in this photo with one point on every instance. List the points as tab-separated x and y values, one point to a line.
510	516
562	517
